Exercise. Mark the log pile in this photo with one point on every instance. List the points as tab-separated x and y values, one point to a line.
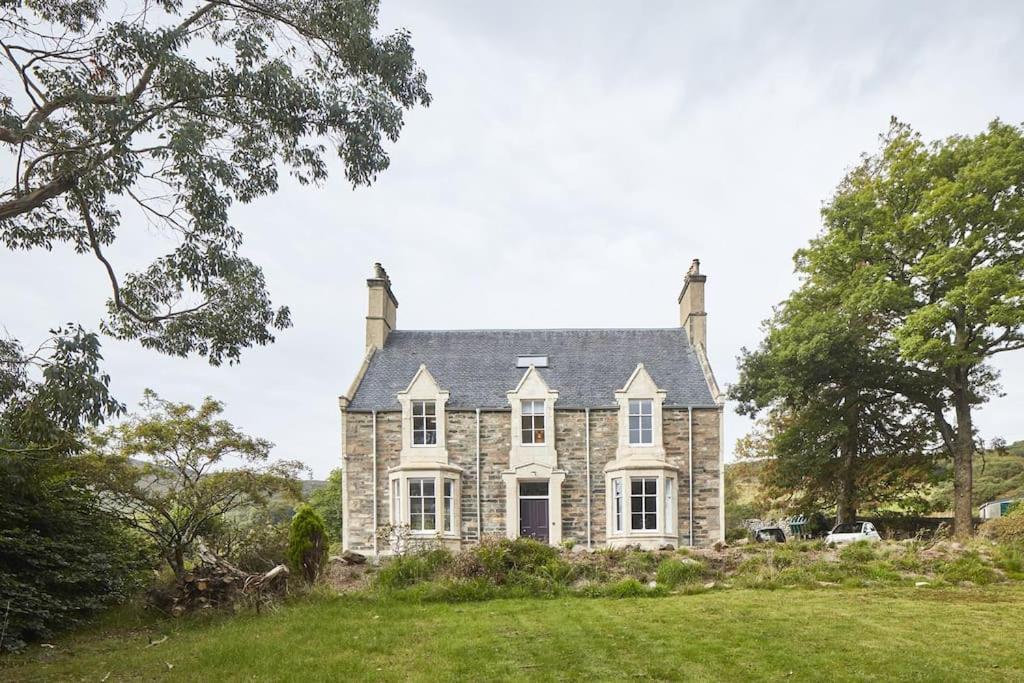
216	583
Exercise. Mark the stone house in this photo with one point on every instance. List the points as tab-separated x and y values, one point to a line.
590	436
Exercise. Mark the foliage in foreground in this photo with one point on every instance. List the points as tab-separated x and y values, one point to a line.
525	568
722	635
61	557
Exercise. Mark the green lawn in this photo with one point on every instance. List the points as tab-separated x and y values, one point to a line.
795	634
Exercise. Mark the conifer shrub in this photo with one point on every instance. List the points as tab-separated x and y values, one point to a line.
307	544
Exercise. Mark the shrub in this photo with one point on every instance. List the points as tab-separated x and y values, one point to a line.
640	564
526	554
1010	558
858	552
61	557
626	588
1007	529
967	567
307	543
405	570
672	572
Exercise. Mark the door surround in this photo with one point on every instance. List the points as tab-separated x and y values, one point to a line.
527	473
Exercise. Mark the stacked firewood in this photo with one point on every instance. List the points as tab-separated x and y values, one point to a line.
216	583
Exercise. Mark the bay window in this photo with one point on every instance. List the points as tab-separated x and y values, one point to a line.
617	498
449	505
422	505
644	504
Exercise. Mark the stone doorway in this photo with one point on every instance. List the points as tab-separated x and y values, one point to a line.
534	501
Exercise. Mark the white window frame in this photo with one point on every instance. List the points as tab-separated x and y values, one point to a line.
617	503
448	504
423	498
417	406
670	485
646	498
396	502
532	410
641	408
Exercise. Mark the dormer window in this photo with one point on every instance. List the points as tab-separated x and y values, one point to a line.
641	422
533	423
424	423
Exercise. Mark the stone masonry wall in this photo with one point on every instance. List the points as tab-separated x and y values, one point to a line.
495	444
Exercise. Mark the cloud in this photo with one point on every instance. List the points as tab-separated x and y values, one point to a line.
576	157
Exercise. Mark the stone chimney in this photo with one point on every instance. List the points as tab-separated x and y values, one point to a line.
692	316
383	308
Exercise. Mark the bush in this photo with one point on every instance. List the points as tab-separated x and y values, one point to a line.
255	540
1007	529
858	552
626	588
504	560
1010	558
672	573
405	570
640	564
307	543
61	557
967	567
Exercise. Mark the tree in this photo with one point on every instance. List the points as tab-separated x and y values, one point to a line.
307	543
835	424
927	240
166	473
326	501
174	111
61	556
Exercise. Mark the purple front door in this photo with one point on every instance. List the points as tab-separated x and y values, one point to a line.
533	518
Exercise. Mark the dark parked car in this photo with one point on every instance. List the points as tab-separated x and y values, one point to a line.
770	534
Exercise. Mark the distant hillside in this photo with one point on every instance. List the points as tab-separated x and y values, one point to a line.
997	475
309	486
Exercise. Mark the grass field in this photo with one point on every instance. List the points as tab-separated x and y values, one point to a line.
795	634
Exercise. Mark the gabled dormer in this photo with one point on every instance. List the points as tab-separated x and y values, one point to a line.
533	421
423	419
640	404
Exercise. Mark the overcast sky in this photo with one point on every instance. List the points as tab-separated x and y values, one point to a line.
575	159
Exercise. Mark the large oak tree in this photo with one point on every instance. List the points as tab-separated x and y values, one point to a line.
927	240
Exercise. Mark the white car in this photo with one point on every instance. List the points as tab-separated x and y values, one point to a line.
850	532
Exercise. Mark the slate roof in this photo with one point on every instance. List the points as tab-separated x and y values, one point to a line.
586	366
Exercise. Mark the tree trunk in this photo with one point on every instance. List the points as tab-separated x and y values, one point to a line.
846	509
846	506
963	462
177	562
